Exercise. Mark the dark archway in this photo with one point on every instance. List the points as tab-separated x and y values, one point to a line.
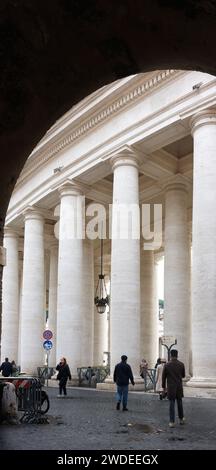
54	53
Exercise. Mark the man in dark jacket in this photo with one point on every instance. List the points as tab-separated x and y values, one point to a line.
122	375
6	368
173	373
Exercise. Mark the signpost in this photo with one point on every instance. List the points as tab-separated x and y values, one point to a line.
168	342
47	345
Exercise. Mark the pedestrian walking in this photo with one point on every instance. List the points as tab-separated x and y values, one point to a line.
173	373
122	375
63	375
158	362
6	368
143	368
158	378
15	369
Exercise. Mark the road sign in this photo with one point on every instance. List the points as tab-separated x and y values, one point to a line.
47	345
47	334
168	340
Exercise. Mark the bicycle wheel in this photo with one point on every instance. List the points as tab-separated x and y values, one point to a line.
45	403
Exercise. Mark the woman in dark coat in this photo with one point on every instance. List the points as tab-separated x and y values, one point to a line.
63	375
173	373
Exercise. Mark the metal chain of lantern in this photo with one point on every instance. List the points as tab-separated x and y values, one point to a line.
101	297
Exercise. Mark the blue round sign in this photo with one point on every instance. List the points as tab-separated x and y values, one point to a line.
47	345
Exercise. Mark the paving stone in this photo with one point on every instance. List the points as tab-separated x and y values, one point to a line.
90	421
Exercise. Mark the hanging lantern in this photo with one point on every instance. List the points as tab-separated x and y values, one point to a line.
101	297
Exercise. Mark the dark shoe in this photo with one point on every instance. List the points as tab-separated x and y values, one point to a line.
118	405
125	409
161	396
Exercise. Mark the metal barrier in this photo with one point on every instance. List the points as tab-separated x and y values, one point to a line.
31	398
45	373
149	380
90	376
16	372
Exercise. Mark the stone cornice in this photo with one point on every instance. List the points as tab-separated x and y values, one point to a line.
45	153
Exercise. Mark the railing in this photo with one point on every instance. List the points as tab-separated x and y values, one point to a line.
90	376
32	400
45	373
149	380
16	372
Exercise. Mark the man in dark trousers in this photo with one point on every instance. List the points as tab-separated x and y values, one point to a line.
122	375
6	368
173	373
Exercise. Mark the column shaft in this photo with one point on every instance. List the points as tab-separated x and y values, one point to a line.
88	303
125	271
177	269
203	248
33	315
10	298
100	327
70	309
52	315
149	308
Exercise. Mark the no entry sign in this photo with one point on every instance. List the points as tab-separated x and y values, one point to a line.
47	334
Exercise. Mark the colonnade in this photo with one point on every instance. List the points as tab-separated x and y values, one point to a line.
79	331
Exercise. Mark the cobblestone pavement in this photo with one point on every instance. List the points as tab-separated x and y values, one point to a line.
87	419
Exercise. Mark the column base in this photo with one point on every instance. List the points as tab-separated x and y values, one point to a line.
202	382
186	379
110	385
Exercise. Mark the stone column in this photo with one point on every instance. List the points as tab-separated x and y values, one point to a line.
20	302
177	267
107	344
33	315
70	305
204	249
100	326
52	304
125	266
149	308
88	303
10	297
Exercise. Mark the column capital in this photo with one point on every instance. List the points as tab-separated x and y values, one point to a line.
10	232
32	213
53	245
125	157
70	188
203	118
177	182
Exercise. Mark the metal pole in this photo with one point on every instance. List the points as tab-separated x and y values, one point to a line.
47	365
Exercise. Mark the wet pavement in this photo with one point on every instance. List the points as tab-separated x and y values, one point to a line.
87	420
